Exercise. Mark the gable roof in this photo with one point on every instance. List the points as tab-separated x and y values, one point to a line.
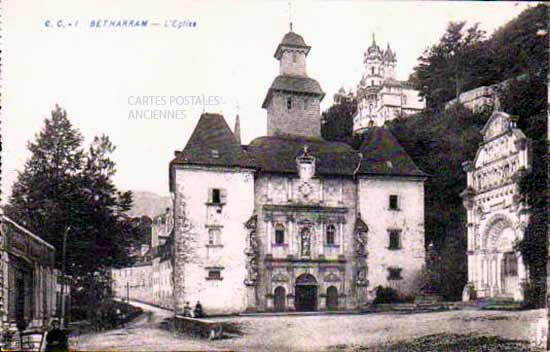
212	143
383	155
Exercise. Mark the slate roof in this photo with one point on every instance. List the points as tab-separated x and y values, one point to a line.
380	152
383	155
278	154
293	40
212	143
295	84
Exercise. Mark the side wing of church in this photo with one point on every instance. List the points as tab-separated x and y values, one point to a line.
291	221
496	217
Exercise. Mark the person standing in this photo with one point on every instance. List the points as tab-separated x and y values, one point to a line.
198	313
56	339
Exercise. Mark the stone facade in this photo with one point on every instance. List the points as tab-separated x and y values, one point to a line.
291	221
392	264
496	217
29	281
302	116
213	239
380	97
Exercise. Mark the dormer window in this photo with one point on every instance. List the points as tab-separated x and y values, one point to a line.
289	103
306	165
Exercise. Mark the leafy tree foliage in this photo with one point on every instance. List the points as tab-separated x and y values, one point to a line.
440	141
464	59
338	122
65	188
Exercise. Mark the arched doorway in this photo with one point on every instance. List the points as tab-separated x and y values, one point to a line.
306	293
280	299
332	298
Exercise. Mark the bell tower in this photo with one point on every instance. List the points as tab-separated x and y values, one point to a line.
293	100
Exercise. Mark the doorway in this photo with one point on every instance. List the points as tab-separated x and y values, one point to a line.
306	293
332	298
280	299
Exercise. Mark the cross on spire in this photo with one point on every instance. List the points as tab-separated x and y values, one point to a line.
290	15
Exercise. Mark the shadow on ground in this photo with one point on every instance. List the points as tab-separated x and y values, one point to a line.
444	342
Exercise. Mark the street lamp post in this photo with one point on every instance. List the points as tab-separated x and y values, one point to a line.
62	318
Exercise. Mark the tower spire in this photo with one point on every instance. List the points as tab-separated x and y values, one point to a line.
237	130
373	39
290	15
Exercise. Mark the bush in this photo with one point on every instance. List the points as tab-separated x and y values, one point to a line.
386	295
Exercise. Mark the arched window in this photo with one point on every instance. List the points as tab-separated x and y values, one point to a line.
372	70
331	234
294	57
289	103
372	82
279	234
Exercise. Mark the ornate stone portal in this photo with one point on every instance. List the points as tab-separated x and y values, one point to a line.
496	216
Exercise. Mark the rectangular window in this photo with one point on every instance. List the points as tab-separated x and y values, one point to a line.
393	202
214	274
217	196
395	239
279	234
394	273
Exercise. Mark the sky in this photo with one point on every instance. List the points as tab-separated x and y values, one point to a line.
193	56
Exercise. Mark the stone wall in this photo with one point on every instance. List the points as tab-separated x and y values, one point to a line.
279	202
374	195
304	118
214	238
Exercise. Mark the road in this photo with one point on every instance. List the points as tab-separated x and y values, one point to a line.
311	333
142	334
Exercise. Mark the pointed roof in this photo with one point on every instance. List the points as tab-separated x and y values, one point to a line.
383	155
360	225
374	49
291	39
212	143
389	54
237	130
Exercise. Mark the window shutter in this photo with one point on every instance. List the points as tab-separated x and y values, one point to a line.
223	196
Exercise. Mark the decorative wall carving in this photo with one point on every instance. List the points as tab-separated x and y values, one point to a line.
252	252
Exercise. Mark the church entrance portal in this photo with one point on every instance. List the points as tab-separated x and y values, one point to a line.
306	293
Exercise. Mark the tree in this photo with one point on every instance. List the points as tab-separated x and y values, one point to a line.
65	188
338	121
444	69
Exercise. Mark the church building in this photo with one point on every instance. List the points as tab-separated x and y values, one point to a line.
292	222
497	217
380	96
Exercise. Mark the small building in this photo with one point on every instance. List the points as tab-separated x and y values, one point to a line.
28	279
496	217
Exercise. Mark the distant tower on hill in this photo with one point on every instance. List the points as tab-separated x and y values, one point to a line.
380	96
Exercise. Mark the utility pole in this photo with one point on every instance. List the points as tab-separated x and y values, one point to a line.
62	318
